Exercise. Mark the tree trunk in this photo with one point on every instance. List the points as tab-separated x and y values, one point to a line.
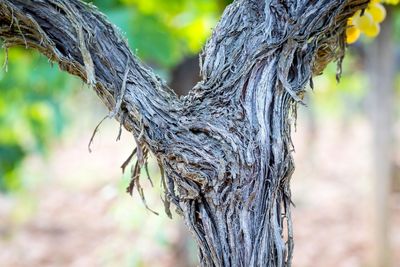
225	149
381	72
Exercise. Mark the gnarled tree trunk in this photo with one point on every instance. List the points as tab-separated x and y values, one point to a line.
225	149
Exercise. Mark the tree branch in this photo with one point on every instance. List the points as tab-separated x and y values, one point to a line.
79	38
225	149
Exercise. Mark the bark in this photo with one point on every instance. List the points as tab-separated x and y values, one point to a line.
225	149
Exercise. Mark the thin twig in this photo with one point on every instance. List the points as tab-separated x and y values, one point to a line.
94	133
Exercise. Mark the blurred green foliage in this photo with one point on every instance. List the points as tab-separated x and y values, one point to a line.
346	97
163	32
32	95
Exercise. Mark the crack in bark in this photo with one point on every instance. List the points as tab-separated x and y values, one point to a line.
225	149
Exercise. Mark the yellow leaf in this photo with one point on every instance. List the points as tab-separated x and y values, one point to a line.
377	11
363	22
373	30
352	34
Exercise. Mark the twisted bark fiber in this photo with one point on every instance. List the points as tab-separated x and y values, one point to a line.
225	149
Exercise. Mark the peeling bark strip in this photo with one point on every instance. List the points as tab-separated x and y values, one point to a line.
225	149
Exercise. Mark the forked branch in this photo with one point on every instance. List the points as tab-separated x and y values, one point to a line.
225	149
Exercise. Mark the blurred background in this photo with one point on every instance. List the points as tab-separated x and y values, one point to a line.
63	206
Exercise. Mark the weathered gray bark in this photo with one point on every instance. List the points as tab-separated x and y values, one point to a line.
225	149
